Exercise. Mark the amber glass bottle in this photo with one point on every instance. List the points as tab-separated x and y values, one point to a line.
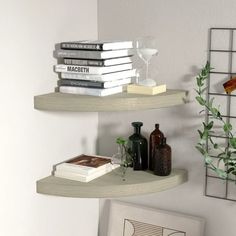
162	160
138	148
155	140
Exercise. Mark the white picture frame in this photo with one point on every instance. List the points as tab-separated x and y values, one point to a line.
127	219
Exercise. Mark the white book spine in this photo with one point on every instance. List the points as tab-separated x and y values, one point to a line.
104	77
91	91
83	170
93	54
83	178
110	84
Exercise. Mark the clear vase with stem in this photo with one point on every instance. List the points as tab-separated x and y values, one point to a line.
122	157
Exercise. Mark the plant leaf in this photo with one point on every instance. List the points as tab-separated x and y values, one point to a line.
227	127
200	149
208	159
222	174
232	142
210	125
200	100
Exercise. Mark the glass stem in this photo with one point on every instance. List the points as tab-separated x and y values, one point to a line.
147	70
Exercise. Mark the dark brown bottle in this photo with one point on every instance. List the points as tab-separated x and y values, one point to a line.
155	140
162	160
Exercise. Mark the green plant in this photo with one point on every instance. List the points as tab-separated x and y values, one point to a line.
123	156
226	155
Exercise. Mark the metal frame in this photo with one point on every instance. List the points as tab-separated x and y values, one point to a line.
227	116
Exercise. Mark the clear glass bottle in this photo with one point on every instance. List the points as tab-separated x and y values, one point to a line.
154	140
138	148
162	160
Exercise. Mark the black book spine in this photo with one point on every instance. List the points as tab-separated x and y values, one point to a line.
81	83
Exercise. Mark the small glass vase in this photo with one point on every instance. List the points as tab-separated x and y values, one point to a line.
123	159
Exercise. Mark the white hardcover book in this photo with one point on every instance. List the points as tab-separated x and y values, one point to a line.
92	69
105	77
92	62
83	178
97	44
91	91
93	84
85	164
93	54
82	170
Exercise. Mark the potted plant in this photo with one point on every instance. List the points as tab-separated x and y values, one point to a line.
225	167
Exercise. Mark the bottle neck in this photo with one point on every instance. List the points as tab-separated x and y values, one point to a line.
137	127
163	141
137	130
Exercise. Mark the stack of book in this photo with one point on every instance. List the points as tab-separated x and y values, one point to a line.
95	68
84	168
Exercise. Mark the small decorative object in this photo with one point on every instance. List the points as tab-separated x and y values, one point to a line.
225	167
162	159
132	220
140	89
146	49
154	140
138	148
122	157
230	85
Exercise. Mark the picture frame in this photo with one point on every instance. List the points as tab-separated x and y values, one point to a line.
127	219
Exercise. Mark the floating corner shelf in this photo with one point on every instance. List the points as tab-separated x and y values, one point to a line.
111	185
118	102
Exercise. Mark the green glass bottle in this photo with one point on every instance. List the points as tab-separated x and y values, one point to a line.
138	148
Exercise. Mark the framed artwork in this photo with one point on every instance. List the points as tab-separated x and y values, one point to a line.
132	220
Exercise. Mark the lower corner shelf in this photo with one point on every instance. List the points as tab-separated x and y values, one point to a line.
111	185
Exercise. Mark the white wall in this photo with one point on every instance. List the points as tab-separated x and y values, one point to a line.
182	29
32	141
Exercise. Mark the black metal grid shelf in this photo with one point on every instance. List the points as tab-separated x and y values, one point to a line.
214	185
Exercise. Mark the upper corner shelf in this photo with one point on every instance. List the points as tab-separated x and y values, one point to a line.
117	102
112	184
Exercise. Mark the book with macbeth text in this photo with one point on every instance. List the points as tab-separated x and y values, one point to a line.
92	69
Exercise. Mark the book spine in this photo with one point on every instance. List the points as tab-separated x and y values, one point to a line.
81	169
105	77
81	83
90	91
82	46
78	69
78	54
80	62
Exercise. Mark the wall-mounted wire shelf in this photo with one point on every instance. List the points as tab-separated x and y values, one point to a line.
222	57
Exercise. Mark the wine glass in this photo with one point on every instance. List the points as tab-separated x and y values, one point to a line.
147	48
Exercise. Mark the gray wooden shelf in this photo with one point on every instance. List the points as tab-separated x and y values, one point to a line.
111	185
117	102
